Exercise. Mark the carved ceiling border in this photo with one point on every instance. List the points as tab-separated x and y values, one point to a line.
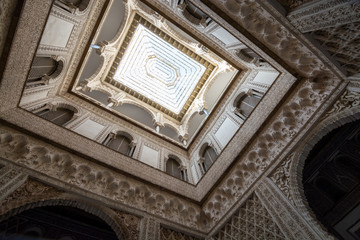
260	20
34	194
77	172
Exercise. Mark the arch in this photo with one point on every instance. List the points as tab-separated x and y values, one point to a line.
67	106
246	104
119	143
142	106
121	29
99	94
43	69
107	215
327	187
115	18
173	167
72	5
60	115
170	131
241	94
176	167
249	56
192	122
139	113
299	157
208	156
193	14
102	90
126	134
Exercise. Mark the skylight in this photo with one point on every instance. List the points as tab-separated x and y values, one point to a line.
158	70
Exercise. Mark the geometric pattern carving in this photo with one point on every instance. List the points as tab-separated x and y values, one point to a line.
343	44
281	177
30	191
348	100
252	221
130	224
168	234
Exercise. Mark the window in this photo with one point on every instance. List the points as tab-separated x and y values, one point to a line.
40	69
120	143
173	168
246	105
71	5
60	116
208	157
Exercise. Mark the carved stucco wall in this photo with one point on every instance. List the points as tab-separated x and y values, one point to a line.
288	175
278	206
33	194
343	44
42	159
252	221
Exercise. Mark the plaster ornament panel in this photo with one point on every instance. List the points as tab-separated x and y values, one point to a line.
29	192
288	218
251	221
348	100
323	14
46	159
61	32
10	179
129	223
281	177
269	144
33	194
343	44
263	25
150	229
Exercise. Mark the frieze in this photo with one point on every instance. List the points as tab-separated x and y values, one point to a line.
61	165
262	24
